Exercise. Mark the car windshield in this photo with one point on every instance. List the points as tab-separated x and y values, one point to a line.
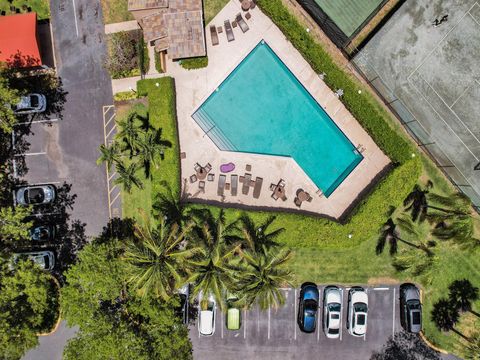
414	304
416	318
333	331
47	263
334	307
34	195
361	319
360	307
335	316
311	305
33	101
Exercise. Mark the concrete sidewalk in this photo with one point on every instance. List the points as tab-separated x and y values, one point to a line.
125	84
121	26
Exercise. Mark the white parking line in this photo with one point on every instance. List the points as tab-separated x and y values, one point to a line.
341	315
268	323
221	322
31	154
36	121
115	198
318	324
75	16
393	321
381	288
245	324
295	315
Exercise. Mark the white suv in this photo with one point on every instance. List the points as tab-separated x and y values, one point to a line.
206	319
357	311
45	259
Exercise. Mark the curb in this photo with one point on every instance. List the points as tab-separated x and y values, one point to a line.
57	324
422	335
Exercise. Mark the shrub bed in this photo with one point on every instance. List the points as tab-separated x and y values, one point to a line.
194	63
126	54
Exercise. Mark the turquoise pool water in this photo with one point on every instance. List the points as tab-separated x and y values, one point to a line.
262	108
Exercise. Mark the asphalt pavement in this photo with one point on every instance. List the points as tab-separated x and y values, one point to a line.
274	334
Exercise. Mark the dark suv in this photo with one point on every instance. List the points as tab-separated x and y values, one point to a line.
308	307
410	308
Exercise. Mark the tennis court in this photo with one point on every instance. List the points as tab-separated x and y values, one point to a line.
431	77
348	14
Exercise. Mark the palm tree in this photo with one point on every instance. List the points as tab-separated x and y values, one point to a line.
458	228
167	205
415	264
262	276
212	271
391	233
445	315
130	128
257	237
150	147
109	154
127	176
462	294
156	260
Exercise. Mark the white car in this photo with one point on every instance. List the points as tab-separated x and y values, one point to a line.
206	319
332	309
31	103
357	311
45	259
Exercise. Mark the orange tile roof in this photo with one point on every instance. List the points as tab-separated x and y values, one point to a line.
18	40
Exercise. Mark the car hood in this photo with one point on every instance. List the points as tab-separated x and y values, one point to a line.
333	296
359	296
412	294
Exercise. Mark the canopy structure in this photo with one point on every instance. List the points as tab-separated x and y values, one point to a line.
18	40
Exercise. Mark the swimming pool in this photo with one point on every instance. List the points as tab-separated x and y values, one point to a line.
262	108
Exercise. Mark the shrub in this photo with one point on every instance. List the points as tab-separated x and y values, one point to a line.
124	54
124	95
158	63
194	63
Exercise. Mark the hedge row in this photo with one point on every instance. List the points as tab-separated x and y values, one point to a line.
194	63
364	107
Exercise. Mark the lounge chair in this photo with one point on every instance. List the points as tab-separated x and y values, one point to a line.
228	30
197	167
208	167
246	184
214	35
297	202
234	185
193	178
221	184
201	185
257	188
243	25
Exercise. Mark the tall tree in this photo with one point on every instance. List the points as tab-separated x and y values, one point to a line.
462	294
157	262
212	270
131	128
13	227
405	346
28	304
8	96
127	176
417	202
445	316
151	148
167	204
109	154
263	275
258	237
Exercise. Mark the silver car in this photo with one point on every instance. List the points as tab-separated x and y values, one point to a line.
410	308
332	309
35	195
45	259
31	103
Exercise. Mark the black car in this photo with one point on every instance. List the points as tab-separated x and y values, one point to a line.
42	233
410	308
184	309
308	307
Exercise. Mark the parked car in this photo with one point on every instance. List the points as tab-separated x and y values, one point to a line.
332	310
357	311
184	293
45	259
35	195
308	307
42	233
206	319
29	104
234	320
410	308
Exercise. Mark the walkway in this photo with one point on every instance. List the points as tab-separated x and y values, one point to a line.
121	26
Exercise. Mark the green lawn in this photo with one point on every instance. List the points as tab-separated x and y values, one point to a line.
211	8
115	11
41	7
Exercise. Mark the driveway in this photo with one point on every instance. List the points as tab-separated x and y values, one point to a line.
277	334
65	150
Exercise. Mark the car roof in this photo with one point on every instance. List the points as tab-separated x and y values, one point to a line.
206	321
233	319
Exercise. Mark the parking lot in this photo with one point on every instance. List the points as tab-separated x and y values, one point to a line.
276	333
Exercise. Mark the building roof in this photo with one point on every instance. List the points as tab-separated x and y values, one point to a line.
146	4
181	23
18	40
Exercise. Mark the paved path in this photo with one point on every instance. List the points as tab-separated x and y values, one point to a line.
51	347
121	26
125	84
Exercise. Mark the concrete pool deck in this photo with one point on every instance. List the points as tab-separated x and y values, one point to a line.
192	89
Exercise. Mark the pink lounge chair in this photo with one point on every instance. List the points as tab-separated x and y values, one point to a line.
226	168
